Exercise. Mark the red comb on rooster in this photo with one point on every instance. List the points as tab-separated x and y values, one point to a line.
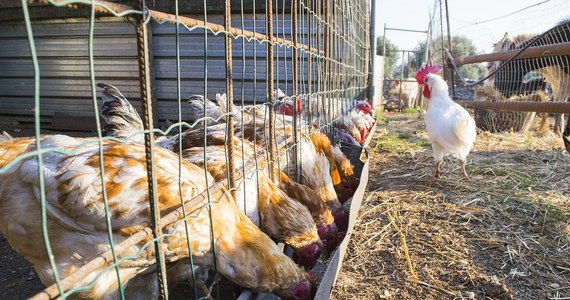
429	68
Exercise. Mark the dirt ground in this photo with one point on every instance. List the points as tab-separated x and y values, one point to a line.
502	234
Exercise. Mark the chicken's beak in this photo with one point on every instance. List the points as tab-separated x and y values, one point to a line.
427	93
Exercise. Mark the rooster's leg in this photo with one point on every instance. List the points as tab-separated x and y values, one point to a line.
438	153
463	169
437	169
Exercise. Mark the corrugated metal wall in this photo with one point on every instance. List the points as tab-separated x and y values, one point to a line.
64	64
249	64
62	49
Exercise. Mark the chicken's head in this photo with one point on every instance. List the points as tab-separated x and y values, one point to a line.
307	256
355	183
287	107
342	196
364	107
422	74
305	289
348	178
346	137
340	218
348	193
351	183
346	181
328	235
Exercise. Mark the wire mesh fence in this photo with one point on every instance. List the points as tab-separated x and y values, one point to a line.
173	186
526	60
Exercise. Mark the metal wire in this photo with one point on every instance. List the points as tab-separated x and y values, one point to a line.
209	196
180	195
295	58
101	164
121	10
230	100
103	259
319	71
256	158
270	89
242	89
42	194
146	100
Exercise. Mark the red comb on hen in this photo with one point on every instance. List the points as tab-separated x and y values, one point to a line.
425	70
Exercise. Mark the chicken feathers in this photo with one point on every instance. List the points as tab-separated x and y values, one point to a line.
450	127
77	226
280	216
123	121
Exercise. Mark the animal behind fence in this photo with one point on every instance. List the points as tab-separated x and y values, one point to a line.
525	76
406	90
227	177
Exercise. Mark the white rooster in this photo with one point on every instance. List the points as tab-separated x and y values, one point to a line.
450	127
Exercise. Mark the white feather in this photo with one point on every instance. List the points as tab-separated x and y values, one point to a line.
450	127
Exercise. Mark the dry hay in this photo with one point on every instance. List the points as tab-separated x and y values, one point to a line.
499	121
503	234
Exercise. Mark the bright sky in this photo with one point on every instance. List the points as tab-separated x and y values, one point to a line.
469	18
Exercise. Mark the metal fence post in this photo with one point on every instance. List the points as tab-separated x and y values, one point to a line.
230	100
146	101
270	92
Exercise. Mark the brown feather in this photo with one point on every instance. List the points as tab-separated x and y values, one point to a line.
77	227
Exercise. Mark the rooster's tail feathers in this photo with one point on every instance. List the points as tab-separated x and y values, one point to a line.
121	117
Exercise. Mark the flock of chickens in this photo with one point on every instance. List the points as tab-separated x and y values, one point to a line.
91	184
